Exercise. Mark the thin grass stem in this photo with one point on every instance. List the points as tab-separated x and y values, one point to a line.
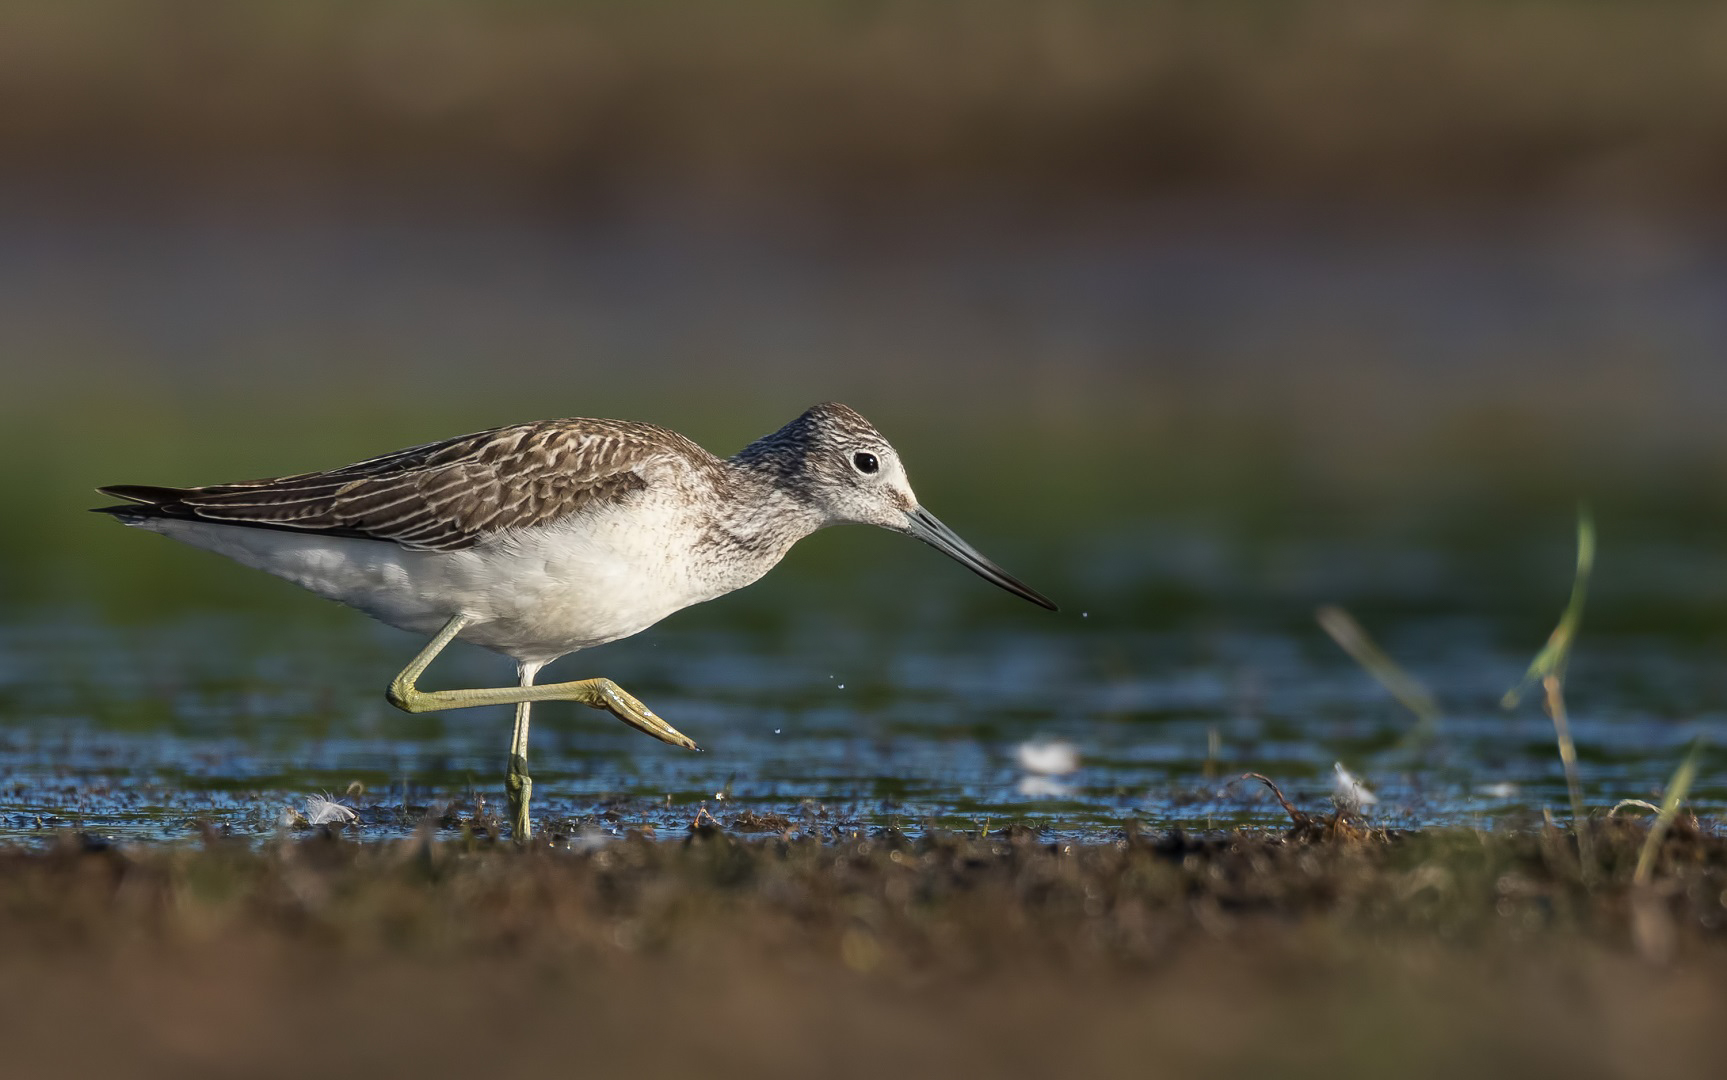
1555	693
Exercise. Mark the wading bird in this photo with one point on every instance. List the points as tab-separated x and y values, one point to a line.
541	539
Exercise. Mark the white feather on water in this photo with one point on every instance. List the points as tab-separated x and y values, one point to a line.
1043	760
324	810
1048	757
1350	794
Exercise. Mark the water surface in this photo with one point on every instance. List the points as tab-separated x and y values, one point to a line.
1190	428
841	702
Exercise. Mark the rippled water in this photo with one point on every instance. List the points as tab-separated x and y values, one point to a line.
896	697
146	690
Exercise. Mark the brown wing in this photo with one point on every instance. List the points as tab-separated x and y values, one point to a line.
443	496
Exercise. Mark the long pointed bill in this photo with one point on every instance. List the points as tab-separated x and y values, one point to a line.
924	525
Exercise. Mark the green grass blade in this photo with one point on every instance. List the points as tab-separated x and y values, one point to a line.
1677	788
1353	639
1547	670
1553	656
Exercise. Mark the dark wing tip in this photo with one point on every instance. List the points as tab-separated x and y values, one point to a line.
143	500
148	494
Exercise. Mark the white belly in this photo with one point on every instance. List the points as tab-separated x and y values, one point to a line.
534	595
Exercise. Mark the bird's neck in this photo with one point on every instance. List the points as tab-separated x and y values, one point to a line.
769	511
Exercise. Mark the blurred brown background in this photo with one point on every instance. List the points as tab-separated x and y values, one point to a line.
578	108
1383	250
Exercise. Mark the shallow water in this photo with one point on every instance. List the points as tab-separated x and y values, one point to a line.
1412	416
845	703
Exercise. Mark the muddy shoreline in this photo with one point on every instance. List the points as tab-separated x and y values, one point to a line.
1352	952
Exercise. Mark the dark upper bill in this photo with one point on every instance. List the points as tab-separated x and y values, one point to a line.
924	525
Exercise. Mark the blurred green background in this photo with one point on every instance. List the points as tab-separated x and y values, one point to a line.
1433	267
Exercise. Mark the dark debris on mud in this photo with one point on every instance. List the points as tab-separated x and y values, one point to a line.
939	900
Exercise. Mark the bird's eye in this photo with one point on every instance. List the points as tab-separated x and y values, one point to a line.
865	462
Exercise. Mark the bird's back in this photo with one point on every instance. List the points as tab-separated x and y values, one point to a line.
448	495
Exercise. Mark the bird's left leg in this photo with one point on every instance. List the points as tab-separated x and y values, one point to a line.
518	785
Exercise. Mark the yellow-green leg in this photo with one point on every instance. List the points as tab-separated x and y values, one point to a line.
594	693
518	785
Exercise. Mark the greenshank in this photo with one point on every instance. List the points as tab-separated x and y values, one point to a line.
541	539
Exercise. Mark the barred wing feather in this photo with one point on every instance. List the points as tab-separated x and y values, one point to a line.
442	496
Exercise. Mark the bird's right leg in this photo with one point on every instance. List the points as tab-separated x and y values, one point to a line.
594	693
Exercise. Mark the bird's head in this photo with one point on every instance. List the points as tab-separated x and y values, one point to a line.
835	461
